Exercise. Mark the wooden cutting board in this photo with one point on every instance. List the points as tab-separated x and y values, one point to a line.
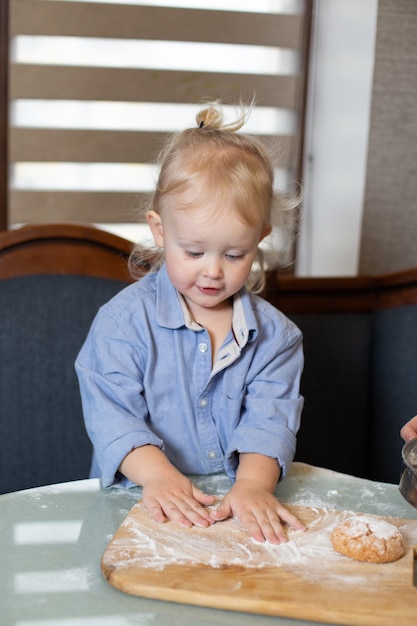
222	567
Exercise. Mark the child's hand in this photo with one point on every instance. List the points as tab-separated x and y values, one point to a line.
174	497
257	510
167	494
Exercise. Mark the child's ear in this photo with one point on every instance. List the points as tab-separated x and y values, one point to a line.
155	224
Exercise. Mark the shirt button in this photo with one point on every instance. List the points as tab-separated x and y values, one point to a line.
203	347
203	402
212	454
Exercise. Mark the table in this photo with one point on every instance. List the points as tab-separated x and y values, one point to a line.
52	539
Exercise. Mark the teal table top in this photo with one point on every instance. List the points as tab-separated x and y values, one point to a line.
52	539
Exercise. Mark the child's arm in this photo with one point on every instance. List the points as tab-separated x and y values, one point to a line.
252	501
167	494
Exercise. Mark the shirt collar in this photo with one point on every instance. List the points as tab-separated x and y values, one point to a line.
169	313
172	311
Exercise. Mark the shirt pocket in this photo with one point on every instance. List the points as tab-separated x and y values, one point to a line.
233	385
234	394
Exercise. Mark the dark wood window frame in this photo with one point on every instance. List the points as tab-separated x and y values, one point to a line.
4	105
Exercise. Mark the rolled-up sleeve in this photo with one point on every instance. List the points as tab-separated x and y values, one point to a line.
109	372
271	407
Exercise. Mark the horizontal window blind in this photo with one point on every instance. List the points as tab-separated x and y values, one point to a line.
95	86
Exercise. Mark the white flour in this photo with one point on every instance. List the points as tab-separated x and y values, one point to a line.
224	543
309	553
365	524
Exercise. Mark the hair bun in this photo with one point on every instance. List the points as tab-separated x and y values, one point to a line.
210	118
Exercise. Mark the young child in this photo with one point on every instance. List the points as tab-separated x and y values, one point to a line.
187	371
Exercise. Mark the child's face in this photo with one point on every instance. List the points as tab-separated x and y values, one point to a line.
208	253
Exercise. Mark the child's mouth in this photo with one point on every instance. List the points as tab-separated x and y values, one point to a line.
209	290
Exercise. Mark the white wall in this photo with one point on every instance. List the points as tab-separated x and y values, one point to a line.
337	136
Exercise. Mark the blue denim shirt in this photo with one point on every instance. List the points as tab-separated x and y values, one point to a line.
146	377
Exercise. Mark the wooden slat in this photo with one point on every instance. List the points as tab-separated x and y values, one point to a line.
96	207
136	85
83	146
160	23
73	206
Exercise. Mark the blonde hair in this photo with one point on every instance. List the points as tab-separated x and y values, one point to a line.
225	164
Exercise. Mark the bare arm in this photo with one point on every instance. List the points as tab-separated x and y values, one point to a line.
253	502
167	494
409	430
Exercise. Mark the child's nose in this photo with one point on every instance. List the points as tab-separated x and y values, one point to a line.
213	268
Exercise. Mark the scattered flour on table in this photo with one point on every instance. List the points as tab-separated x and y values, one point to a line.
338	498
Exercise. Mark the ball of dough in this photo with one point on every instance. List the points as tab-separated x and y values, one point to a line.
366	538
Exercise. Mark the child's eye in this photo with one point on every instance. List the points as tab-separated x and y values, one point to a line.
234	257
193	255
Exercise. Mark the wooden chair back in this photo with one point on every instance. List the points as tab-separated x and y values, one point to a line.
53	279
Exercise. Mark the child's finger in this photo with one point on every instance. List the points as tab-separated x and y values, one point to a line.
203	498
290	519
221	512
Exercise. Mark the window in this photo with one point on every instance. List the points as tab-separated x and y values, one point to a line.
95	86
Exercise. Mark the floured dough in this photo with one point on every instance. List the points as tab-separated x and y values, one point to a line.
366	538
